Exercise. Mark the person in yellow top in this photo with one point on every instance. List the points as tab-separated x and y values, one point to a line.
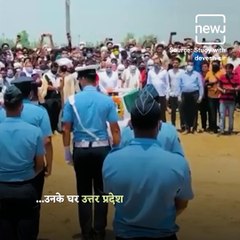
211	80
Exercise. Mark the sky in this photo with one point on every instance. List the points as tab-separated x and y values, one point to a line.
94	20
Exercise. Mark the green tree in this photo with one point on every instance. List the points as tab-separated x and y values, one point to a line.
24	39
89	44
128	37
3	39
148	39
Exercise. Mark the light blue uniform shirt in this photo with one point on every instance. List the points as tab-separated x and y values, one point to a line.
95	110
167	137
35	115
190	82
20	142
150	179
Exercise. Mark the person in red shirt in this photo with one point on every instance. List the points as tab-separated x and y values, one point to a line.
228	87
237	71
143	72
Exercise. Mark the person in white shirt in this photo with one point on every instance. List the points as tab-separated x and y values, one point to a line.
50	94
131	77
174	74
28	69
108	79
159	78
234	59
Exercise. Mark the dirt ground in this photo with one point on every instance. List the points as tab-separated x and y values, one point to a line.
214	214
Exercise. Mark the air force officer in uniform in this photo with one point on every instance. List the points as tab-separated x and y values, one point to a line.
87	114
21	159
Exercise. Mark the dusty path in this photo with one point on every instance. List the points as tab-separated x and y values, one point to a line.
213	215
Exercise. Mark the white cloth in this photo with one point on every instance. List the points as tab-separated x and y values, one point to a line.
68	87
131	80
235	62
173	82
53	79
64	62
108	81
160	81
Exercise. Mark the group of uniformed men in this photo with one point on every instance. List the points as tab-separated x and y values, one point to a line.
145	163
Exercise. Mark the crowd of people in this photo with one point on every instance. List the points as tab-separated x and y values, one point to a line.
46	86
190	78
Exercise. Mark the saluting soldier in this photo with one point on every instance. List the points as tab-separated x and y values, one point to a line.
87	113
21	160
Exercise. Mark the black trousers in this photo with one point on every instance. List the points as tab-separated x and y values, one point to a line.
203	109
88	164
18	211
190	108
174	105
163	102
213	113
53	107
173	237
38	183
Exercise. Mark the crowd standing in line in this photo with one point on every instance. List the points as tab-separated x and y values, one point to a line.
67	90
186	76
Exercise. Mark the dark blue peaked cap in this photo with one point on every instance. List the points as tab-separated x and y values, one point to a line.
152	90
22	79
145	103
12	95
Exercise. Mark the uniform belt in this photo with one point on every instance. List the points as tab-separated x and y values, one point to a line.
86	144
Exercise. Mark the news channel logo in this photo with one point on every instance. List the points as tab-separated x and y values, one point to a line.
210	26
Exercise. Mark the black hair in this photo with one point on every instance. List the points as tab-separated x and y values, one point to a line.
147	122
54	65
25	89
176	59
13	102
63	69
216	62
205	63
229	65
89	75
5	44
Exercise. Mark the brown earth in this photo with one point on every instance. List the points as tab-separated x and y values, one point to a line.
214	214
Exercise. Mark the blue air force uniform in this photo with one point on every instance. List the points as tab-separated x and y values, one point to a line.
150	179
90	147
37	116
167	138
20	143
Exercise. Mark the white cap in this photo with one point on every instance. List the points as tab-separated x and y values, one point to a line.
104	49
64	62
89	67
82	43
19	46
2	65
150	62
121	67
160	43
133	49
17	65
